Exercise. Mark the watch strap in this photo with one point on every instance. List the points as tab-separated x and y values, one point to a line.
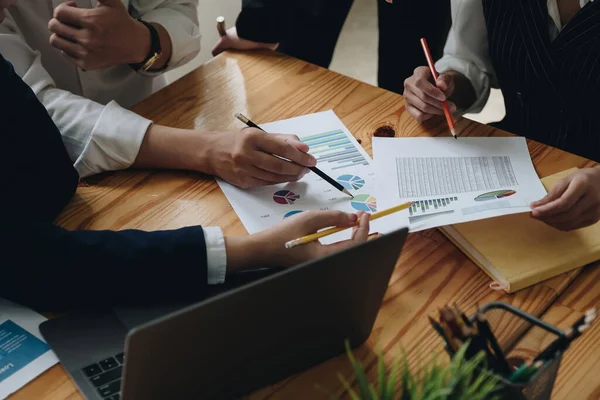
155	49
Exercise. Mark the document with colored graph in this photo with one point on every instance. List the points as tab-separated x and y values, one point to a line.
24	354
338	154
452	181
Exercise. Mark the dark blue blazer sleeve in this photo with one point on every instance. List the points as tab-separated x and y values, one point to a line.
47	267
51	268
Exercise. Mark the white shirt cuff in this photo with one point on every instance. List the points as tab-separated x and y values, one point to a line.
216	255
479	79
114	143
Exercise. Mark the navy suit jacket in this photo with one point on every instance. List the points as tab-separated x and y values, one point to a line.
48	267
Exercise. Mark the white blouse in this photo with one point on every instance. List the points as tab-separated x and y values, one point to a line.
467	50
100	135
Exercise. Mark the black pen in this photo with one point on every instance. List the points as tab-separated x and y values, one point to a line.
316	170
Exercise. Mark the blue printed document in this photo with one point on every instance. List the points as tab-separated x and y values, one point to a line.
23	353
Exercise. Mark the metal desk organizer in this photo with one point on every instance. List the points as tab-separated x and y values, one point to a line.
541	384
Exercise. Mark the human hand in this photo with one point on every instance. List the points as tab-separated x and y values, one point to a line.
232	41
245	158
573	203
267	248
99	37
424	98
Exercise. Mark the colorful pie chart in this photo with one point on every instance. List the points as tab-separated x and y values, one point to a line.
285	197
351	182
364	202
498	194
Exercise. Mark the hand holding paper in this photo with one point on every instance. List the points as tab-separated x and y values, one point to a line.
573	203
455	181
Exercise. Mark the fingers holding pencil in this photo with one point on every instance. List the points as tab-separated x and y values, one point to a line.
335	229
272	241
426	92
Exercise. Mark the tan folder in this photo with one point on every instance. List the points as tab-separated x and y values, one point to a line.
517	251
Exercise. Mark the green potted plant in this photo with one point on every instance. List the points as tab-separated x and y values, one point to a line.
461	379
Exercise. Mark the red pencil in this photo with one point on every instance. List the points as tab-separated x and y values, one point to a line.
435	77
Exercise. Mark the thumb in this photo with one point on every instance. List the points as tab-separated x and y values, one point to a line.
220	46
555	193
445	83
361	233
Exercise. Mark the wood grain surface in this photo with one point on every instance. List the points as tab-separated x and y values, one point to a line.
266	86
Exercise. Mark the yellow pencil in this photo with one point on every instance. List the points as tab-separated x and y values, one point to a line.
331	231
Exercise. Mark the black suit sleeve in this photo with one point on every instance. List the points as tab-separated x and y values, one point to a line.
50	268
55	269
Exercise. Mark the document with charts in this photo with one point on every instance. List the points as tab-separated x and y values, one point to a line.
452	181
23	353
338	154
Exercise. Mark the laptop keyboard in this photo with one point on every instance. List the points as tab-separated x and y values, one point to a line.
106	376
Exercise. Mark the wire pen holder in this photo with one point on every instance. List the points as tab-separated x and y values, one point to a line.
539	385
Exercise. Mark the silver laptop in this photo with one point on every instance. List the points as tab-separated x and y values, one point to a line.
235	342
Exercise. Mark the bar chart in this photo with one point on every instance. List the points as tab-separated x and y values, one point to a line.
334	148
421	207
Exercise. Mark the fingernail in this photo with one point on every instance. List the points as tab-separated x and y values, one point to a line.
352	217
452	107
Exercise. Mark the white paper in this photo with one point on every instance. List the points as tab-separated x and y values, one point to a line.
338	154
23	355
453	181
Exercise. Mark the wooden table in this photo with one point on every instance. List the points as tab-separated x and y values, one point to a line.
431	272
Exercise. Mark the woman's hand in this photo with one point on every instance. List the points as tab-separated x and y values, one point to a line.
573	203
424	97
231	41
267	249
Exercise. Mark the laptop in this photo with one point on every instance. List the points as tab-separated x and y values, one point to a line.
235	342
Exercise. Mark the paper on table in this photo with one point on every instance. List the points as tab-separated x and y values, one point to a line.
453	181
23	353
338	154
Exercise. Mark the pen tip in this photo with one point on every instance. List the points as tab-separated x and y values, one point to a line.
454	133
348	193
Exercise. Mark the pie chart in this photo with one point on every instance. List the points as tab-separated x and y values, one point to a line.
498	194
351	182
285	197
364	202
287	215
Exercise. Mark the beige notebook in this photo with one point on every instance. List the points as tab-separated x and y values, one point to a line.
517	251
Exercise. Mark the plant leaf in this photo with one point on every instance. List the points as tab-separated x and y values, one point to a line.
366	390
349	389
